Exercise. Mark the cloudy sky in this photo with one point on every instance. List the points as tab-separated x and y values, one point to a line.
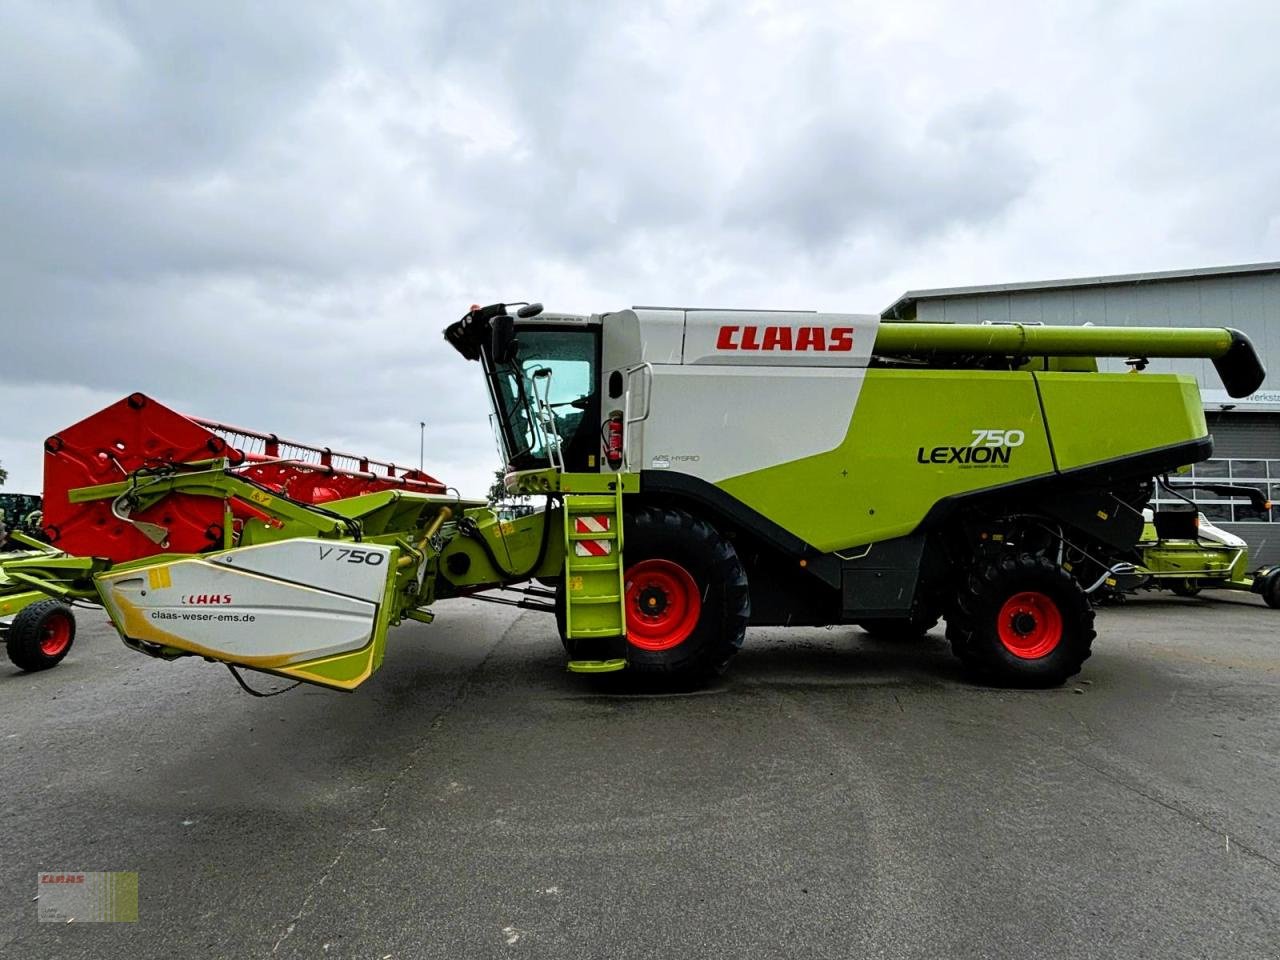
265	213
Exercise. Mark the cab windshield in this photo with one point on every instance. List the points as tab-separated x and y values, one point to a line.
545	400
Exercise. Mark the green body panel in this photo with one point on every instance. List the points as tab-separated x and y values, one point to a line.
913	441
597	666
15	596
11	603
54	574
527	482
1193	560
873	485
594	584
514	542
1111	415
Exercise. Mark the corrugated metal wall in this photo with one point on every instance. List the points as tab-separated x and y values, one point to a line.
1245	435
1251	442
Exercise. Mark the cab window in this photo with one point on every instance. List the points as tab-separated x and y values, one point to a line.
560	367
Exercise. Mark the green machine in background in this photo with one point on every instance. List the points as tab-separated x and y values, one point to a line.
20	513
1183	552
37	630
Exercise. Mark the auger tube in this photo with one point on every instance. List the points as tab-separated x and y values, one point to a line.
1232	354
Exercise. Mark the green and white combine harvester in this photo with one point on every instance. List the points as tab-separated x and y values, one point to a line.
702	470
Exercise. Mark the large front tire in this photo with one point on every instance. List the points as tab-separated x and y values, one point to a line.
1022	622
686	597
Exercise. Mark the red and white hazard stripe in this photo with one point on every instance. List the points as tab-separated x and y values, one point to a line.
594	524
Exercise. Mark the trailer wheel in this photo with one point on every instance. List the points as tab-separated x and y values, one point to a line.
41	635
1022	622
1185	588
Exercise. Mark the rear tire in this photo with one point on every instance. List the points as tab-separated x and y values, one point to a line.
1022	622
41	635
1185	588
687	600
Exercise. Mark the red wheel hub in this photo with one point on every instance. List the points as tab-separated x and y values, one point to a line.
663	604
55	636
1030	625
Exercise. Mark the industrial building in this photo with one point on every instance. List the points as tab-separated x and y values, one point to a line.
1246	431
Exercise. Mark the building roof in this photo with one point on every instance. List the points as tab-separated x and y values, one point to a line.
905	304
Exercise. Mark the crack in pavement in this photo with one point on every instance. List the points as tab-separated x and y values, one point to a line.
1174	808
314	889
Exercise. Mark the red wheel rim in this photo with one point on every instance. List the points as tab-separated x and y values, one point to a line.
55	636
663	604
1030	625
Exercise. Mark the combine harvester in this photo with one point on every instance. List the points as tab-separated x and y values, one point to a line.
702	470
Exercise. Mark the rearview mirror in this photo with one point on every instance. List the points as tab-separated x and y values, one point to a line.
504	343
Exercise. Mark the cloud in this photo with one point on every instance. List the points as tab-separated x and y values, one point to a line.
267	213
831	179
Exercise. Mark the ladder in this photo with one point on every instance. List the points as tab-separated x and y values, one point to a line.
595	605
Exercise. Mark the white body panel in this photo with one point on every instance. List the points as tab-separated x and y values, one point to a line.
661	334
719	422
252	605
1214	534
727	392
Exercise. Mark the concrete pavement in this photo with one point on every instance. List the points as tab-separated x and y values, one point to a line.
834	796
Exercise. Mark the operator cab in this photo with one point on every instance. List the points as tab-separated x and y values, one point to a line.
543	376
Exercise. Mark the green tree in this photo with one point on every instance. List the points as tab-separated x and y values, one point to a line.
4	475
497	492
